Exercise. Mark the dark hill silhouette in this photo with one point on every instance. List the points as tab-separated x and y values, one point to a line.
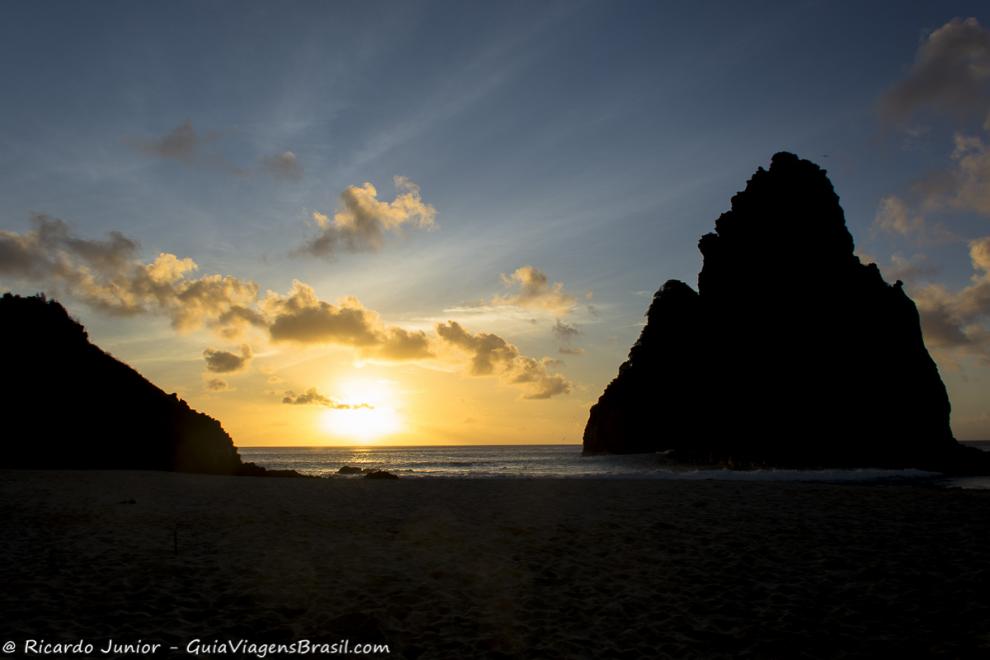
67	404
792	352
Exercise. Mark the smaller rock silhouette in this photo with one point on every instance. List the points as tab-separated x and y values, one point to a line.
67	404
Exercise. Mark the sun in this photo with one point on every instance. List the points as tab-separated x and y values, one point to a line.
369	413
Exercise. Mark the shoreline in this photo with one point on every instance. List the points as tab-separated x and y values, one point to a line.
546	461
500	568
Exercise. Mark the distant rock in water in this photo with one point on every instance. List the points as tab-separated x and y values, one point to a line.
67	404
380	474
792	353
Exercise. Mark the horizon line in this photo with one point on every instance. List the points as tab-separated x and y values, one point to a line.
377	446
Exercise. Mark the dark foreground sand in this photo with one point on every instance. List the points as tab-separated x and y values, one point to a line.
530	569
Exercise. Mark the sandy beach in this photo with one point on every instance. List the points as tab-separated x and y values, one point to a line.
529	569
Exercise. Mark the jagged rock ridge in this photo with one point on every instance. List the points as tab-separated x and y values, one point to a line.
67	404
791	353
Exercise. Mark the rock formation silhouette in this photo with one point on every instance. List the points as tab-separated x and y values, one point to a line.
67	404
791	353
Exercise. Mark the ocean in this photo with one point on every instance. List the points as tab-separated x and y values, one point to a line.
549	461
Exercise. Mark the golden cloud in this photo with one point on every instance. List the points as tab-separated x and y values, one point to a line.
533	290
362	220
492	355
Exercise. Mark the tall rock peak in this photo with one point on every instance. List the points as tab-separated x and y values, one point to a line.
791	352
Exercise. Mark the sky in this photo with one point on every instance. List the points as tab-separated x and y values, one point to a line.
442	222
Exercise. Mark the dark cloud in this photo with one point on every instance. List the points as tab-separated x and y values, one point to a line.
400	344
492	355
284	166
313	397
565	334
184	144
217	385
233	322
225	361
951	75
303	318
565	331
41	250
326	324
487	350
362	220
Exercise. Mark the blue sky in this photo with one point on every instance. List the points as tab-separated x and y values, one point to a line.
594	141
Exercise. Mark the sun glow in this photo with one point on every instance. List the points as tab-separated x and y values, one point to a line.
371	413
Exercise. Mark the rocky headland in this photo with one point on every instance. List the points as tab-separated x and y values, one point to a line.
68	404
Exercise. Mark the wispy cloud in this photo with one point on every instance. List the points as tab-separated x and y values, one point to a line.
566	333
187	146
182	143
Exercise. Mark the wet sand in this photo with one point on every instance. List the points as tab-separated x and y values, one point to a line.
528	569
